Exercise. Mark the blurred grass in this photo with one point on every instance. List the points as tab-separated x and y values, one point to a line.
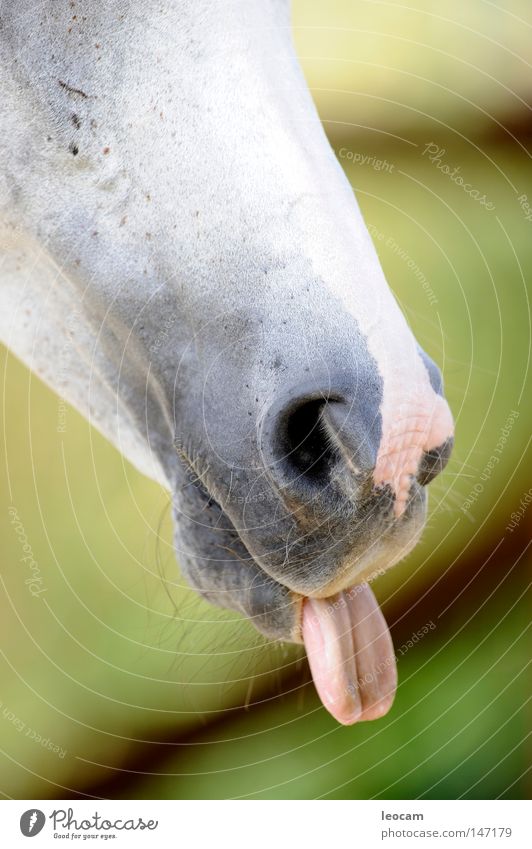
406	69
112	662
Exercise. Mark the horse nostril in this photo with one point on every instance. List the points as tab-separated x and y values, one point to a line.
317	441
433	462
304	443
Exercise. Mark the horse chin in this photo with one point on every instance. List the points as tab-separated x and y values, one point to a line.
346	637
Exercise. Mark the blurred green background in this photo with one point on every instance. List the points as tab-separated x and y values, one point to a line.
117	681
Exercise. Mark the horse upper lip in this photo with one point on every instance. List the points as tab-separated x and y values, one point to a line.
314	570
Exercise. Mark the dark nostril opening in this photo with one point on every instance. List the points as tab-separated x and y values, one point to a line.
304	441
433	462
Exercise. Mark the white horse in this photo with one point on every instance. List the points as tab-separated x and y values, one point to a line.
183	260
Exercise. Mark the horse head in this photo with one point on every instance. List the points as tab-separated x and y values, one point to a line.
171	180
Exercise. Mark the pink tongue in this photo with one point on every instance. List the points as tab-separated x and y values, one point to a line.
351	654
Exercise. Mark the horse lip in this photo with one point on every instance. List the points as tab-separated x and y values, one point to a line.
207	493
296	632
369	564
373	561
